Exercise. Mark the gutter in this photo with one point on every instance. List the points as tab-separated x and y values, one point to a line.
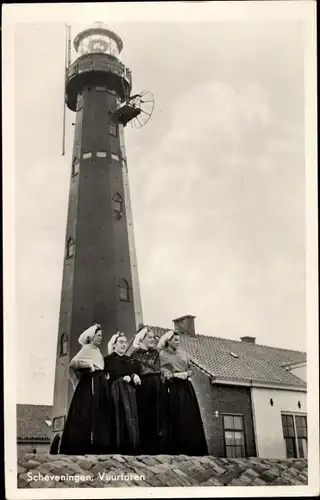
259	384
248	382
32	440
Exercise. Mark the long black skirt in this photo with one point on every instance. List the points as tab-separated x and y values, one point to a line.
88	425
151	400
186	434
125	418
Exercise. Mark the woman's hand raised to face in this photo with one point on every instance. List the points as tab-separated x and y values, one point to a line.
127	378
136	379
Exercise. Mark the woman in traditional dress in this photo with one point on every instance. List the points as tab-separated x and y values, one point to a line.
124	377
151	395
87	429
186	434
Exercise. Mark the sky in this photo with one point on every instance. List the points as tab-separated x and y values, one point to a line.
217	181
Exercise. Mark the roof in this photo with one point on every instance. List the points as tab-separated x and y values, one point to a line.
31	423
243	361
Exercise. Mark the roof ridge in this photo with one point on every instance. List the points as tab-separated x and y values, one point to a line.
202	335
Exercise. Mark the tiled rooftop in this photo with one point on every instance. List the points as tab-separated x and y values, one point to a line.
245	361
96	471
31	422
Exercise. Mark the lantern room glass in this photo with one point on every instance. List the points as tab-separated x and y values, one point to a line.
98	43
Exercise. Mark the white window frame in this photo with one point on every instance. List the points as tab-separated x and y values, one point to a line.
75	166
85	156
242	430
115	157
296	437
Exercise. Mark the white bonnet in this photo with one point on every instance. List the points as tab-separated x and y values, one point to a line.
165	337
139	337
88	334
113	340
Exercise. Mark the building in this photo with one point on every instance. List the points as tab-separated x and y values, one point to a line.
100	279
33	428
250	403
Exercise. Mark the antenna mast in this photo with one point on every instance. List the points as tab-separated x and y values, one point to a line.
67	62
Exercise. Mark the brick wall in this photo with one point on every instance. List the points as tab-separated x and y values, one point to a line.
24	448
224	399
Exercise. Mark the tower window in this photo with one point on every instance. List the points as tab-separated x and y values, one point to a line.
101	154
70	248
124	294
113	129
118	204
114	156
101	89
124	164
63	344
86	155
75	166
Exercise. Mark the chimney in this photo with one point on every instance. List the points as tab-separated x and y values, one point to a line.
249	340
185	324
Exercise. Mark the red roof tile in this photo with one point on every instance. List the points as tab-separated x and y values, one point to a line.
31	422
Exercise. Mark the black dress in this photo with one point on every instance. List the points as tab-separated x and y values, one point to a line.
125	425
186	433
87	428
151	400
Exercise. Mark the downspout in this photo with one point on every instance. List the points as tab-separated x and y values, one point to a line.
254	419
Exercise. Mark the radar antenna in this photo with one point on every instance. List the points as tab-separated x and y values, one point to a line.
145	103
136	109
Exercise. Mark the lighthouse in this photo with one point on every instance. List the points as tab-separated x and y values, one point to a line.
100	277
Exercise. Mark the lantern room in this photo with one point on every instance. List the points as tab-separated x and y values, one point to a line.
98	39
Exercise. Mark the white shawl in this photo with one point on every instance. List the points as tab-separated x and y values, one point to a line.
89	353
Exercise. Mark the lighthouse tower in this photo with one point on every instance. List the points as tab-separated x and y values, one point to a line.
100	279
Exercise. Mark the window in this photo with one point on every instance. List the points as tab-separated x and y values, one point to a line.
234	436
58	423
86	155
115	157
70	248
63	344
124	164
75	166
101	89
113	129
118	204
124	290
295	435
101	154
